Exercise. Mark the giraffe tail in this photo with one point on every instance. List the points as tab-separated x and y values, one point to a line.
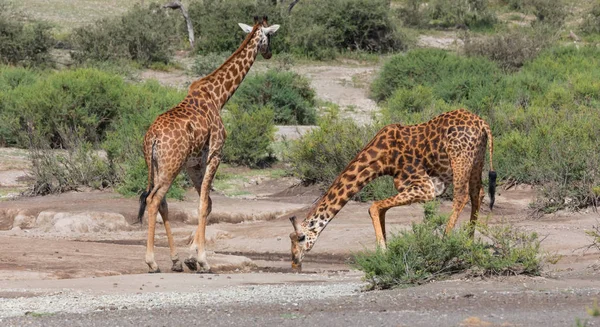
492	174
146	193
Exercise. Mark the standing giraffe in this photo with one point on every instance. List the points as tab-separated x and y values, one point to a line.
423	159
192	134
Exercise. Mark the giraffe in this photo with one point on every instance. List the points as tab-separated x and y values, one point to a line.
423	160
191	136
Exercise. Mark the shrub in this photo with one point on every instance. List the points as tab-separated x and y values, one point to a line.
451	13
143	34
250	135
84	100
25	44
216	22
321	155
288	93
206	64
468	81
60	171
552	12
591	22
423	253
316	29
543	117
319	27
513	48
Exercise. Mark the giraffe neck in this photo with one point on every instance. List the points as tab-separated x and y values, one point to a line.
222	83
355	176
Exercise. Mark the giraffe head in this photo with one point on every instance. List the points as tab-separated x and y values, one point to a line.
264	41
302	241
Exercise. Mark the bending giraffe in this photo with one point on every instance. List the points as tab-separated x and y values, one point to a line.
191	136
423	159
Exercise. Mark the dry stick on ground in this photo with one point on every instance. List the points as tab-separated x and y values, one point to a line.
178	5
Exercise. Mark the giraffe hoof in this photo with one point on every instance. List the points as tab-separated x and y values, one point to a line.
156	271
177	267
191	264
204	271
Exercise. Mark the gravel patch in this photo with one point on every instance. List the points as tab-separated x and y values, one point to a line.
69	301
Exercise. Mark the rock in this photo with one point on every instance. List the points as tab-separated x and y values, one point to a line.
24	221
81	222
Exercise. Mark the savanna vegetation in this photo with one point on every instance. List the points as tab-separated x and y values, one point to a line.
540	95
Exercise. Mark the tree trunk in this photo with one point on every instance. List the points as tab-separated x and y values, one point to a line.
178	5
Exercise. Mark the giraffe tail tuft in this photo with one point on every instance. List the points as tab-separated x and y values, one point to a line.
492	188
143	198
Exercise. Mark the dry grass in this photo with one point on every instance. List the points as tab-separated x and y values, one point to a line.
66	15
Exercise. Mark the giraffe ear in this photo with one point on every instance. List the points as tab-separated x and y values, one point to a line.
245	28
271	29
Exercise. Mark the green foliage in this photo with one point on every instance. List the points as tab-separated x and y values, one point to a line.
250	135
22	43
447	13
470	81
513	48
591	21
206	64
316	29
543	117
84	100
140	106
143	34
320	155
471	13
81	111
552	12
60	171
423	253
288	93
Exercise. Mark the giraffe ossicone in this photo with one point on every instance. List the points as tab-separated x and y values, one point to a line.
191	136
423	159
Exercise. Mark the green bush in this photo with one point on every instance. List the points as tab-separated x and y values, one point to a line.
591	21
143	34
82	111
513	48
140	106
61	171
216	23
447	13
543	117
249	136
315	29
206	64
84	100
288	93
451	13
423	253
321	154
320	28
552	12
25	44
469	81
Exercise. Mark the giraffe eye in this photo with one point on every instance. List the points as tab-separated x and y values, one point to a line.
301	238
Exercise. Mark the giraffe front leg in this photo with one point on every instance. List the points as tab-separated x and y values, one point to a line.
163	208
417	191
205	207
